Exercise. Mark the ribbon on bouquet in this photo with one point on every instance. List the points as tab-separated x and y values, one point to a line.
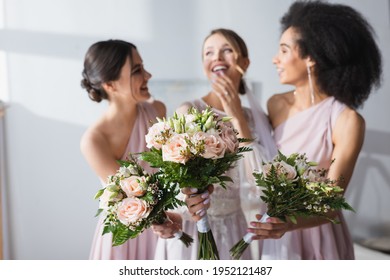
238	249
248	237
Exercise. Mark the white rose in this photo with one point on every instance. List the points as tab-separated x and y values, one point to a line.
157	135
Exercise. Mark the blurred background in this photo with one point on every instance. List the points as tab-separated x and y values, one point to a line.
47	207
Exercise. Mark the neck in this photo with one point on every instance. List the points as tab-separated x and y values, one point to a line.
212	100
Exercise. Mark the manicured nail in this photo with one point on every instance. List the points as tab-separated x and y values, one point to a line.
194	190
202	213
205	194
207	201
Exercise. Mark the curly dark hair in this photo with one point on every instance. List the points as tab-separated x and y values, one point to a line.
339	39
103	63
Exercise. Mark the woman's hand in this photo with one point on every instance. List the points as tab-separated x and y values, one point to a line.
171	225
197	203
226	91
273	228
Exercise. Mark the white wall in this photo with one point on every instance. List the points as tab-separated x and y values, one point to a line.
50	188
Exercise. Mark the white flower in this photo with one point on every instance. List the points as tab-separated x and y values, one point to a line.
158	135
108	196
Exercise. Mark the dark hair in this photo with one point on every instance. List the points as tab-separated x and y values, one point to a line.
238	45
103	63
341	43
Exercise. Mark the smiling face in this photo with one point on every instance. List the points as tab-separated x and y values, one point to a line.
133	79
292	69
220	56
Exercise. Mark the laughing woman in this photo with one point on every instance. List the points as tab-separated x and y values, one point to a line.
114	70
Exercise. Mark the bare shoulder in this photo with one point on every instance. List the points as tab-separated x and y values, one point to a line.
277	101
92	140
349	125
350	118
160	108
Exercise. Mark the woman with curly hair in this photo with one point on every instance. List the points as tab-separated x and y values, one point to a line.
328	53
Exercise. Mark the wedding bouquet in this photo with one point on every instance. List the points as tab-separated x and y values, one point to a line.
195	150
133	200
293	186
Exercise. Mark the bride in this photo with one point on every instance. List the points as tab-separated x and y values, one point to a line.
225	60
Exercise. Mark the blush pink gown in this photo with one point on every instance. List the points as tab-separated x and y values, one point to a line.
143	247
310	132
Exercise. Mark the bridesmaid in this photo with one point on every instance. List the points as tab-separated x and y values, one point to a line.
114	70
225	59
333	74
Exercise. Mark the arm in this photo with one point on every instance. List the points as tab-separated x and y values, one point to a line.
95	148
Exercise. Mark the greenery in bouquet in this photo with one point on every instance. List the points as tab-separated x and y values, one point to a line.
292	186
195	150
133	200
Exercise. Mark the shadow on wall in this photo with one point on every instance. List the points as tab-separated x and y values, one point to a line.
369	189
50	188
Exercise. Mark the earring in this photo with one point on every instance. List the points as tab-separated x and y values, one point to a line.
310	85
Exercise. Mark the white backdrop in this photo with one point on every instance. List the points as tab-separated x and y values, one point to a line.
49	191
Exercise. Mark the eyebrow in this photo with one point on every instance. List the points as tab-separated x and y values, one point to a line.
285	45
224	45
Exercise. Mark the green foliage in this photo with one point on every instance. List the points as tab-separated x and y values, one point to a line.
160	197
300	195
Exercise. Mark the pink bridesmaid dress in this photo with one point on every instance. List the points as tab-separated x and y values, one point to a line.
310	132
143	247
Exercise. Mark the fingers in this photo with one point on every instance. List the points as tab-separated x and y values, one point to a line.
273	228
197	203
167	229
223	86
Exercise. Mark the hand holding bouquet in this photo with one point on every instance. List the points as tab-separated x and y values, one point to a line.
195	150
133	200
292	187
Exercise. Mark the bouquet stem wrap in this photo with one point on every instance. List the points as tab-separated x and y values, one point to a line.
237	250
207	248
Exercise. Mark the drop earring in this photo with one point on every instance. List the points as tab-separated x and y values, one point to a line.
310	85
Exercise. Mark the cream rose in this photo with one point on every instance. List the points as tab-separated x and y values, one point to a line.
176	149
133	185
132	209
157	135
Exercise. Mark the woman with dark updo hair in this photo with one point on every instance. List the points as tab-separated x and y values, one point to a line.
113	70
328	53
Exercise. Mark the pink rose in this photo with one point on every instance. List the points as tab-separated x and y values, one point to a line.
132	210
214	146
176	149
133	186
229	136
281	168
158	135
